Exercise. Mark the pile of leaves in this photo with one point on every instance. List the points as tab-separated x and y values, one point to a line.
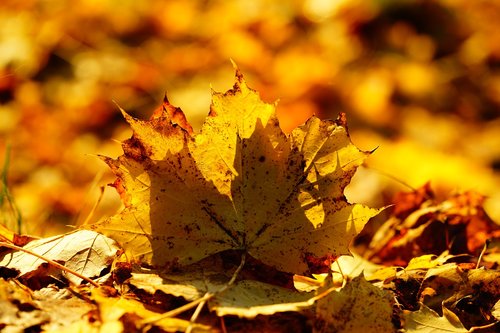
242	228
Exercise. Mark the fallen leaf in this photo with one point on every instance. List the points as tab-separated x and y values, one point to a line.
429	261
425	261
18	311
354	265
83	251
456	288
407	202
190	285
427	320
248	298
459	280
358	307
49	309
240	183
495	311
421	225
11	237
245	298
382	274
344	267
64	307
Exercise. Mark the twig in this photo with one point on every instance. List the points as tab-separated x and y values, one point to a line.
50	261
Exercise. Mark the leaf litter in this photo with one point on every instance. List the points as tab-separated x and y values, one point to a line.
240	217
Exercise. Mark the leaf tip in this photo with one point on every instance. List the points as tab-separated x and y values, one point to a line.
235	66
108	160
174	114
165	99
240	80
124	113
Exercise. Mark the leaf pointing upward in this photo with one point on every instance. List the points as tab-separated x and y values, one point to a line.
240	183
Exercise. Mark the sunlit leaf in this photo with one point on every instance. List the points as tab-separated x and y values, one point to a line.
240	183
249	298
83	251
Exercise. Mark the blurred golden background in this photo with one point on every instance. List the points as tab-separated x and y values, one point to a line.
418	79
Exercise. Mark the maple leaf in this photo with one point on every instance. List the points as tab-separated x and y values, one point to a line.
240	183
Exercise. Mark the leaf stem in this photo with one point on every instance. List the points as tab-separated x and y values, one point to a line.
195	316
236	273
50	261
325	293
485	247
344	280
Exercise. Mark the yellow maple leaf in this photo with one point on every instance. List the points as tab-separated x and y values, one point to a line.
240	183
